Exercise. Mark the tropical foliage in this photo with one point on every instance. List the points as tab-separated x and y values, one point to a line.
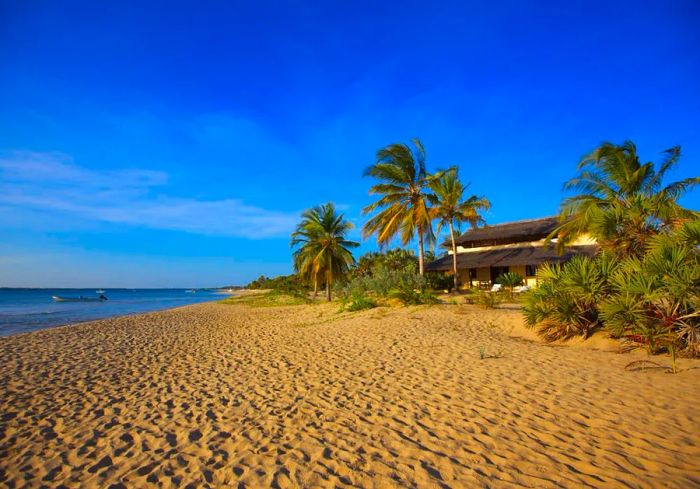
653	300
451	209
291	285
656	299
510	280
403	207
644	284
322	250
379	276
622	202
565	302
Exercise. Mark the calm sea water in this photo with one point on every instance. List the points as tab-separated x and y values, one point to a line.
23	310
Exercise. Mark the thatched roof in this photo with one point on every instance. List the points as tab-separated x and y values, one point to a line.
520	255
508	232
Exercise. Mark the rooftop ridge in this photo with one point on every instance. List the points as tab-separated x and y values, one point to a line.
532	219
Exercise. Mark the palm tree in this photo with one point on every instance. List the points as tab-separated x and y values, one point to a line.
452	209
403	207
621	201
321	247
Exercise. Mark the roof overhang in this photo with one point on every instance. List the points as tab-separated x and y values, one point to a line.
512	256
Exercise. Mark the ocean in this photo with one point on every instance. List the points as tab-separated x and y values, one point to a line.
24	310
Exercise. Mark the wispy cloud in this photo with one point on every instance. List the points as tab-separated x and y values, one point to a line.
52	183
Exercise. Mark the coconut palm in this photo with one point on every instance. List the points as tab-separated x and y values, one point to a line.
321	245
403	208
621	201
452	209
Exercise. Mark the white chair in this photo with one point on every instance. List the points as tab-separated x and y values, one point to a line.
496	288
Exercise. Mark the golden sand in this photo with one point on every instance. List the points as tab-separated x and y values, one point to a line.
222	395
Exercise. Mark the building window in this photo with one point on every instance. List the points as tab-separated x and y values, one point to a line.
530	270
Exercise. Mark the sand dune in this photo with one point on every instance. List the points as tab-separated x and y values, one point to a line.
218	395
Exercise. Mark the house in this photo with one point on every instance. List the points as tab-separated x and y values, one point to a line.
483	254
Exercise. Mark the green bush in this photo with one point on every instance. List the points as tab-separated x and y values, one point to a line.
565	304
383	280
412	297
284	284
486	299
656	299
510	280
439	281
652	301
360	303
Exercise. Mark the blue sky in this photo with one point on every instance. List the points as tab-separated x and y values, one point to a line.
175	144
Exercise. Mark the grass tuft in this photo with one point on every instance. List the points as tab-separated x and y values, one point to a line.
266	299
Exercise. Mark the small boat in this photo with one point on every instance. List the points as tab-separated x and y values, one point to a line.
81	298
191	291
99	291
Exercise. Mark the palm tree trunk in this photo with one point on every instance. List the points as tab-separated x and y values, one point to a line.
454	258
315	285
421	258
328	289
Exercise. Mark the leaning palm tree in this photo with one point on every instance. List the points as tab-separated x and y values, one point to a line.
451	209
321	245
621	201
403	207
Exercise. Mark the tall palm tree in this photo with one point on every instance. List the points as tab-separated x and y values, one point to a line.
452	209
321	245
403	207
621	201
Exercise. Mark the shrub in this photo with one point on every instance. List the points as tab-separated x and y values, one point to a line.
359	302
412	297
653	300
486	299
284	284
383	281
656	299
565	304
510	280
439	281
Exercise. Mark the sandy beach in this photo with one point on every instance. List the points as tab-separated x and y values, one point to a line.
216	395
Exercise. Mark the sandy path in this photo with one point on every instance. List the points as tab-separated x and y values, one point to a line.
214	395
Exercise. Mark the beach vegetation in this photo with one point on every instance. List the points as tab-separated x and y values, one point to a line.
267	298
409	296
292	285
643	285
652	301
565	302
439	281
486	299
656	298
358	301
390	275
510	280
452	209
321	248
622	202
